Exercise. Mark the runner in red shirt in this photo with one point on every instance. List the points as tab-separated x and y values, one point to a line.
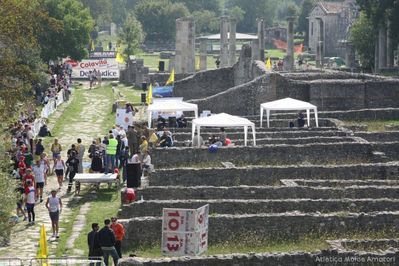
28	176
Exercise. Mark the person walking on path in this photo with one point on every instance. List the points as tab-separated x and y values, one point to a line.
119	232
56	149
94	244
30	201
110	154
107	242
81	150
59	167
38	172
73	165
54	206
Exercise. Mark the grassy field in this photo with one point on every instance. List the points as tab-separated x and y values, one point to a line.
373	125
310	243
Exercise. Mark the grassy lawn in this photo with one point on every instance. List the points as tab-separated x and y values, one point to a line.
308	243
104	205
373	125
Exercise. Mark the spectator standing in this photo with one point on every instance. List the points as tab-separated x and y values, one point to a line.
132	139
94	243
110	154
54	206
39	149
107	242
119	232
81	150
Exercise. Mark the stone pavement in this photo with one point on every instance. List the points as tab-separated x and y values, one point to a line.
25	239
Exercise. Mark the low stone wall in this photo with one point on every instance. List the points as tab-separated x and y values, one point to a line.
389	136
224	206
288	141
266	192
343	183
325	257
391	149
204	83
268	154
265	227
239	134
268	175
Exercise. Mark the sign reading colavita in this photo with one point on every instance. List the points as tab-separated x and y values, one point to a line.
108	67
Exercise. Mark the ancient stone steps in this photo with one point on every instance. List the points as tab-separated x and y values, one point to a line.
235	207
388	136
344	183
345	152
293	141
257	129
267	226
267	192
239	134
268	174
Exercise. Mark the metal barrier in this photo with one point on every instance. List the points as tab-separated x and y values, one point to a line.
10	262
76	261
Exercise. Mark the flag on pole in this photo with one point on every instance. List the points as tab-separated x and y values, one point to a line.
197	63
43	243
149	95
92	48
268	64
171	79
119	58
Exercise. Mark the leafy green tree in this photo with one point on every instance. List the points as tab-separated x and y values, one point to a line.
254	9
158	18
119	11
303	23
236	13
20	67
362	35
131	35
197	5
72	38
205	21
99	9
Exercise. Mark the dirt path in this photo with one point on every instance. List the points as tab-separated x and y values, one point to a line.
86	124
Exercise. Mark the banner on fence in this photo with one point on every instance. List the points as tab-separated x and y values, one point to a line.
108	67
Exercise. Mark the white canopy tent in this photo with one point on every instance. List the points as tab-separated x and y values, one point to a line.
224	120
288	104
170	106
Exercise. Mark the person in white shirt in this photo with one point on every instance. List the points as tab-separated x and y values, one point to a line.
38	171
54	206
30	195
146	162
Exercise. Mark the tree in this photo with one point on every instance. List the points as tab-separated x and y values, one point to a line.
158	18
99	9
197	5
20	66
119	12
254	9
236	13
362	35
72	38
205	21
303	23
131	35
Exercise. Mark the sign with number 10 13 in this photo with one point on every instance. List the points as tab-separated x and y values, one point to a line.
185	231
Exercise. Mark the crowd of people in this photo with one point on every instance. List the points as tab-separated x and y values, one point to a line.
107	241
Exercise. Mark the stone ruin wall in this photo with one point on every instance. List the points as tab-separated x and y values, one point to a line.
239	90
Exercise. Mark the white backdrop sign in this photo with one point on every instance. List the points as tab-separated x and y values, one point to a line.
108	67
123	119
185	231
